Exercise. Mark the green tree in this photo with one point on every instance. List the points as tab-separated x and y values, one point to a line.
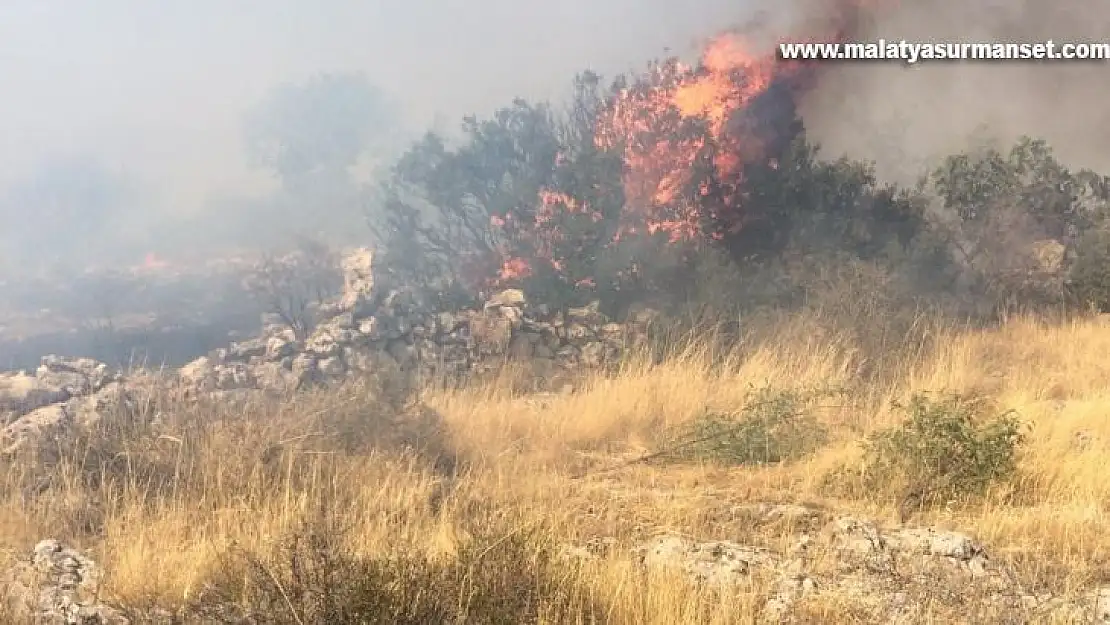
998	208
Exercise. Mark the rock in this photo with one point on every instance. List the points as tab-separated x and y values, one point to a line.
272	376
370	328
332	367
491	332
280	347
447	322
303	368
323	343
507	298
589	314
60	585
233	376
108	401
21	393
197	373
358	360
35	425
245	350
358	282
515	317
578	334
592	354
356	334
343	321
717	562
75	375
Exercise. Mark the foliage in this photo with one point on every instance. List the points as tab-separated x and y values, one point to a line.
773	426
526	195
540	198
501	575
952	448
1000	206
1090	274
290	286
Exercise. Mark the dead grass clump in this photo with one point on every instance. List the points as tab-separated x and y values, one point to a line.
499	574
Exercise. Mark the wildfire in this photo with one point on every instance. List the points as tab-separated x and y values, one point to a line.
684	140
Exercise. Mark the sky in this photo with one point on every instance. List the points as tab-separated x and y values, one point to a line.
156	91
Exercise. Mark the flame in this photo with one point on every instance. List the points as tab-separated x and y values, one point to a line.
651	125
684	150
152	262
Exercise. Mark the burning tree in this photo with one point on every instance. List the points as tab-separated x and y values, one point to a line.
587	201
526	200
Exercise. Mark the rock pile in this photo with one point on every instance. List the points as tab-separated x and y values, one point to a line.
365	331
885	572
361	332
58	585
60	392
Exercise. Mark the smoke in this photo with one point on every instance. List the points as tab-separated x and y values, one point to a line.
905	118
158	97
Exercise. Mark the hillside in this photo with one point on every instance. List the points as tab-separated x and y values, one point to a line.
346	504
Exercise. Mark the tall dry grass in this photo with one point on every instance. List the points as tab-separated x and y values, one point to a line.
212	506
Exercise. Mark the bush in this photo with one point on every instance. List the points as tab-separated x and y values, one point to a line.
503	575
774	426
1090	274
944	450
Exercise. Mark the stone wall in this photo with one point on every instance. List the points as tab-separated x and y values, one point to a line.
398	331
363	331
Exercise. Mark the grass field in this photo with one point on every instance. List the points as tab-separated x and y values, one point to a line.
331	507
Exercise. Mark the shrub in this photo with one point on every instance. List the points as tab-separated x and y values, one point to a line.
502	575
773	426
291	286
1090	274
944	450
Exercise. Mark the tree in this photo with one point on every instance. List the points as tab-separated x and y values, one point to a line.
528	200
290	286
311	134
569	204
1001	207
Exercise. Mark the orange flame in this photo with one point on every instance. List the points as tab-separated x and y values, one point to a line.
664	126
660	169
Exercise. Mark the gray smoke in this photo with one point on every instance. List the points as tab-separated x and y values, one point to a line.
906	117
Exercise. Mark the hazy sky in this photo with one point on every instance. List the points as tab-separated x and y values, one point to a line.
157	89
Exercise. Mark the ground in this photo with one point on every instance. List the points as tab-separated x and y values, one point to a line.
342	506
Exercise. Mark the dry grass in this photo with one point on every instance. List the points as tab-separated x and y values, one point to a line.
181	516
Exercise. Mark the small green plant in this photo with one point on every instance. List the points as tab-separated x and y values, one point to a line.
773	426
946	449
